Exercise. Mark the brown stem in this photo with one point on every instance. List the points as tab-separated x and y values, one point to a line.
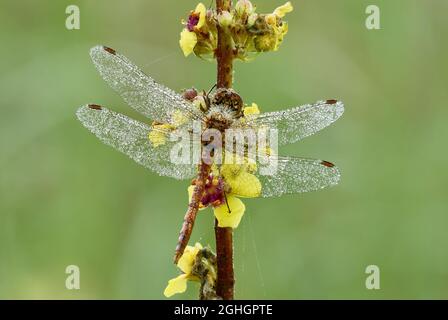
224	260
224	52
224	236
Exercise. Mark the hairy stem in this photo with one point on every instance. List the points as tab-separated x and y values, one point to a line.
224	236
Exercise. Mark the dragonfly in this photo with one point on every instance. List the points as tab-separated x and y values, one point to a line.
222	110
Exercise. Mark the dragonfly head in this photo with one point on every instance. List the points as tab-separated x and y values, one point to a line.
230	100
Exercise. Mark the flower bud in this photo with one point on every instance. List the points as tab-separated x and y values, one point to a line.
225	19
244	7
271	19
251	20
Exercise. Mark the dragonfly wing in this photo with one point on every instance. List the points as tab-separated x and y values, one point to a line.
140	91
300	122
289	175
131	138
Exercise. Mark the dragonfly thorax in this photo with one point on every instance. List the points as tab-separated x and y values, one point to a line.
230	100
219	117
225	107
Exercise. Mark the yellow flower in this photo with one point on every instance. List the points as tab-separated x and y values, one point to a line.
266	43
251	110
179	118
271	19
272	42
188	40
242	183
240	180
188	37
185	264
282	31
283	10
230	218
157	135
176	285
200	10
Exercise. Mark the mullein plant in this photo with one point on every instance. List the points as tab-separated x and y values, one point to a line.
230	31
247	34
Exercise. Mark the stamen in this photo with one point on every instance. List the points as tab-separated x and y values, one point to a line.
227	203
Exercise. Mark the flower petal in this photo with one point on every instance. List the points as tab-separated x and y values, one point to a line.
176	285
202	11
271	19
251	110
283	10
179	118
230	219
157	136
187	41
246	185
186	262
241	182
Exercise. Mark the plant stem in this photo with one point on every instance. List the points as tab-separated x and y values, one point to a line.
224	260
224	236
224	52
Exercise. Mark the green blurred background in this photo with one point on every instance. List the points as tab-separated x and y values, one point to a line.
65	198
